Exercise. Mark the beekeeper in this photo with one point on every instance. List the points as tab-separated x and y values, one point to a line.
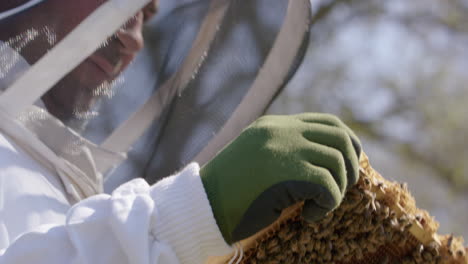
58	57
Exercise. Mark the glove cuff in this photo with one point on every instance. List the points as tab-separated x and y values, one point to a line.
184	218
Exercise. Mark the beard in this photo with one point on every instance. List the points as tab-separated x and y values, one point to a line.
73	99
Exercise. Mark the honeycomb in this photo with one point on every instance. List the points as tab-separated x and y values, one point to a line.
377	223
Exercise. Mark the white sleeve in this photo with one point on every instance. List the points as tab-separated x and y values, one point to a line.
169	222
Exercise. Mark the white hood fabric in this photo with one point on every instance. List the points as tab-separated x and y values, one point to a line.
170	222
50	142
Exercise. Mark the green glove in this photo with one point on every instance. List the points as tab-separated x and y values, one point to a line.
276	162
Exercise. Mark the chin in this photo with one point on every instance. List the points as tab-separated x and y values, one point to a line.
72	99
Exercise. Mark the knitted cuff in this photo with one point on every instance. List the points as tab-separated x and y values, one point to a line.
184	218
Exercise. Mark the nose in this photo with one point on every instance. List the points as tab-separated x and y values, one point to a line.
130	35
150	10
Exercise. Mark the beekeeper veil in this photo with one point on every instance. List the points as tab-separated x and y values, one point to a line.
208	69
218	64
57	60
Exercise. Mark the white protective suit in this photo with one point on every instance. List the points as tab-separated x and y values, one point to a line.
42	219
170	222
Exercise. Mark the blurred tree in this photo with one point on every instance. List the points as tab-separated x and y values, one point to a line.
396	72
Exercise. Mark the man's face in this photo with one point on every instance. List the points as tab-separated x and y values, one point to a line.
76	92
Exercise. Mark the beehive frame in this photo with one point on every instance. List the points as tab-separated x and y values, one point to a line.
390	211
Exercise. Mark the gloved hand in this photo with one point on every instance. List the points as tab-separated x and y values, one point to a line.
276	162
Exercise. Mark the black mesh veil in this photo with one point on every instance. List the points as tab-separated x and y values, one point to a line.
246	37
241	46
226	76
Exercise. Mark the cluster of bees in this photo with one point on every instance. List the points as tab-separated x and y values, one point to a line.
364	229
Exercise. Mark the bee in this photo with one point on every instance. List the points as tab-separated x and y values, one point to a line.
287	235
417	253
367	183
427	256
381	186
314	227
310	246
403	240
345	249
294	245
253	261
274	249
359	254
433	247
261	254
305	237
460	253
317	246
449	244
371	247
308	257
408	261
